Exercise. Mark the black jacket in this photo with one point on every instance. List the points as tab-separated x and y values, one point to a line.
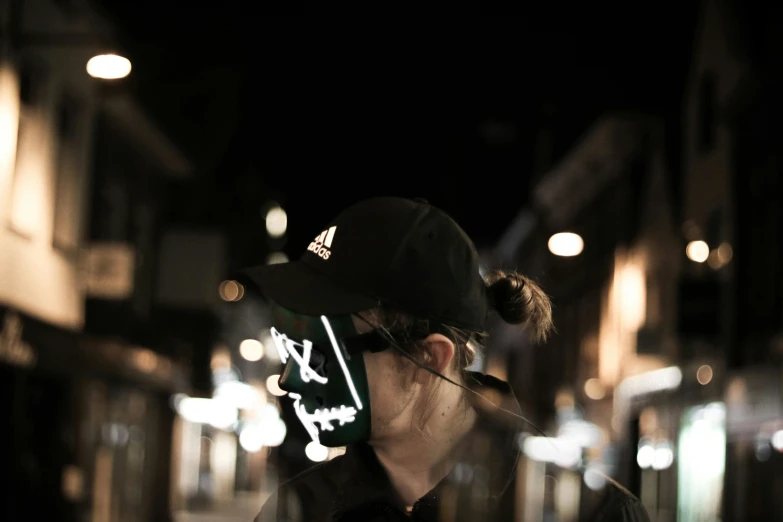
355	487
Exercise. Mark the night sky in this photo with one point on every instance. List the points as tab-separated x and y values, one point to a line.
317	113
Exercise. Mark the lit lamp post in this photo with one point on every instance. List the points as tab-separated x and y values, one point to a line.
108	66
566	244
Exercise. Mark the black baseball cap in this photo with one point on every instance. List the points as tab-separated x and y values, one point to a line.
388	251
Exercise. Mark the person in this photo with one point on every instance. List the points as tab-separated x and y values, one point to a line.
377	325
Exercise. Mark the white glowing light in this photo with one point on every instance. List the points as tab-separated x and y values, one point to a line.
273	385
316	452
251	438
275	433
594	476
663	458
582	433
108	67
777	440
267	413
217	413
645	456
276	222
697	251
566	244
650	382
563	452
268	430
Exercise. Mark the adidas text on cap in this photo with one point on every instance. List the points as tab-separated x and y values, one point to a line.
384	251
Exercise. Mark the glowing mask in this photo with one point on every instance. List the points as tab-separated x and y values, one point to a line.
324	374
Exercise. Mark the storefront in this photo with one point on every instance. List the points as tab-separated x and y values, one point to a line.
754	445
88	432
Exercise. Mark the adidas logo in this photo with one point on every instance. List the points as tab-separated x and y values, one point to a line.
321	244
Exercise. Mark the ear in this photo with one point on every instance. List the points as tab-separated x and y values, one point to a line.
441	354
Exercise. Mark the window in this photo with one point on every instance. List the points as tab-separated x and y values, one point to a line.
68	174
707	120
29	180
32	79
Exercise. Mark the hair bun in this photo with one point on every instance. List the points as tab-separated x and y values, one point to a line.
519	300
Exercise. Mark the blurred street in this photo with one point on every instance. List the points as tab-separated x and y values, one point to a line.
626	161
242	507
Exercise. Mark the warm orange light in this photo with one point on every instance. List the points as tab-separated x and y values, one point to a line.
273	385
704	375
595	389
725	253
697	251
251	350
231	291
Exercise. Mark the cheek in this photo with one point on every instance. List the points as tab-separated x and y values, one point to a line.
387	395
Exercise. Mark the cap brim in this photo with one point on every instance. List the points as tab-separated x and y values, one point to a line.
302	290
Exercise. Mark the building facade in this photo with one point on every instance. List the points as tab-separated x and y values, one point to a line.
613	323
84	380
669	319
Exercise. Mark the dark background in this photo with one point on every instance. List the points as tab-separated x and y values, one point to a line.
317	112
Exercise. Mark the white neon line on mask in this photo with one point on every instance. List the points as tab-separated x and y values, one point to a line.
339	356
305	371
279	340
303	417
324	417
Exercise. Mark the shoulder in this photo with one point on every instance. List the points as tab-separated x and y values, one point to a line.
324	475
308	493
616	504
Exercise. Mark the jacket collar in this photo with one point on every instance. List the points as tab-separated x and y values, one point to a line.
366	485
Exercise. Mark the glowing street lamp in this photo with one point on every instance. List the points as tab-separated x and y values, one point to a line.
276	222
566	244
108	66
697	251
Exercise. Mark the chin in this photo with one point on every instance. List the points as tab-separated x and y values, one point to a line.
331	441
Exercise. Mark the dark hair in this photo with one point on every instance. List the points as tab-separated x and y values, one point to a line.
517	299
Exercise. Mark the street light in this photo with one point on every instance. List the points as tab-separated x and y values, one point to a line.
276	222
566	244
108	66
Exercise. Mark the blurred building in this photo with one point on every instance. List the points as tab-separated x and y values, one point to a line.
666	300
87	364
612	192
